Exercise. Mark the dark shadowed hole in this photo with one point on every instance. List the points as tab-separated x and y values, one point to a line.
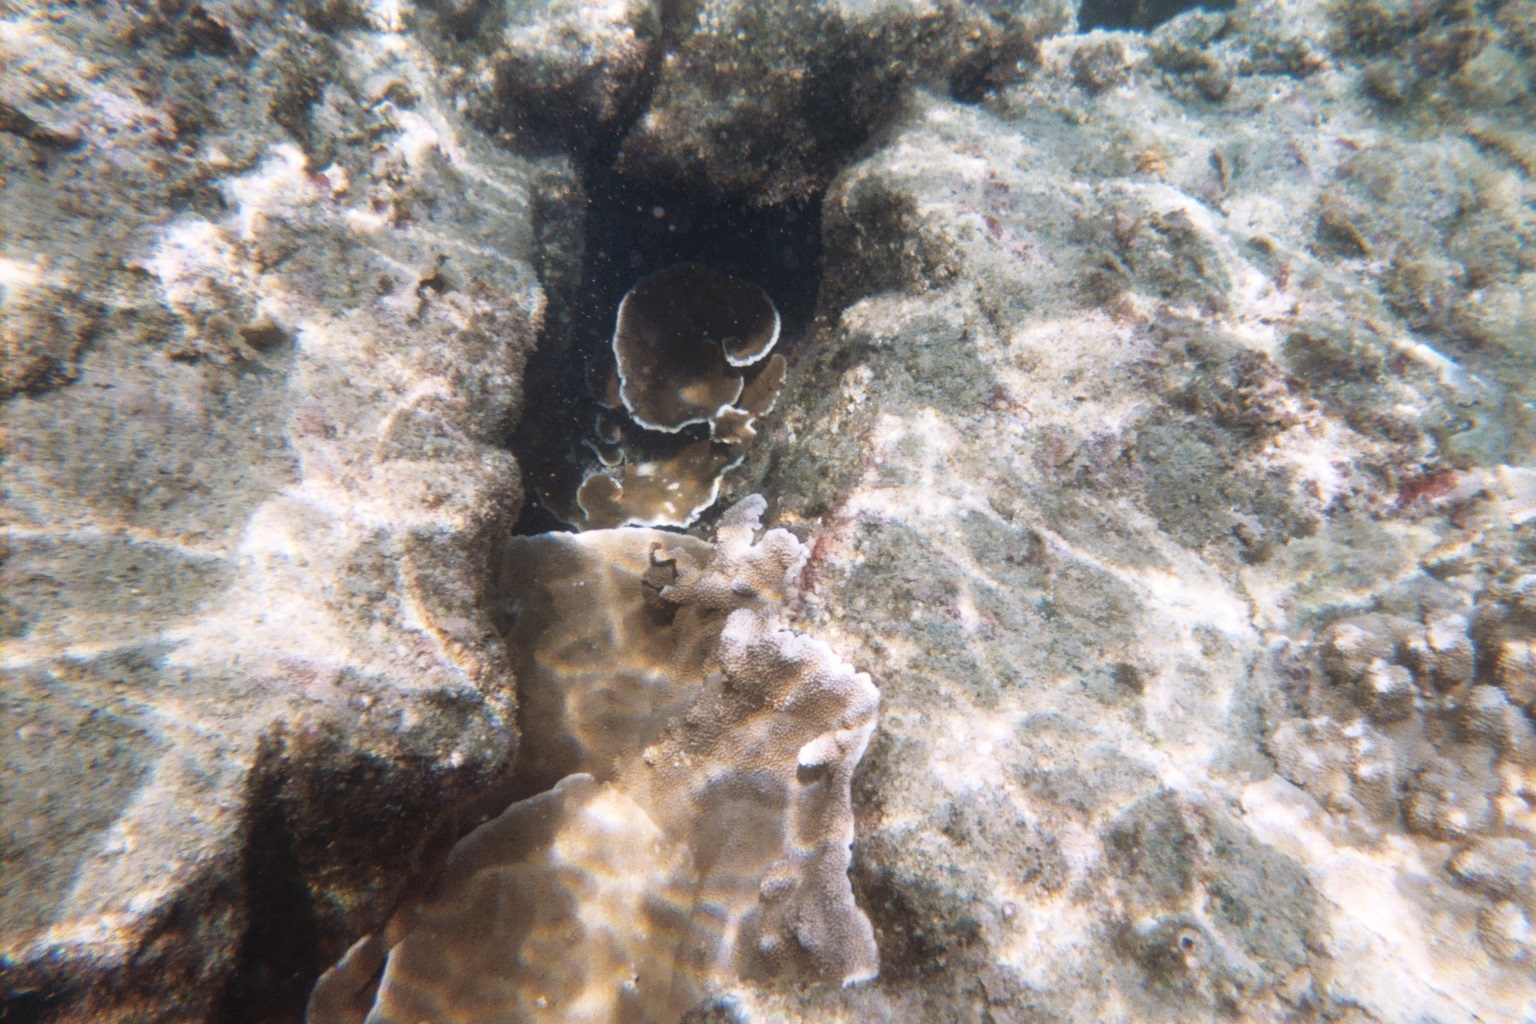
635	229
27	1007
1142	15
279	956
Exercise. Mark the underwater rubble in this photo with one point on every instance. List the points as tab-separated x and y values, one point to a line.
1145	427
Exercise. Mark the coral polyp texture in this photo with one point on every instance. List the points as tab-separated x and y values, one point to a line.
703	835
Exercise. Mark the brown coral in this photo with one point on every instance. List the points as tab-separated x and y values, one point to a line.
680	337
602	665
707	834
737	424
670	491
691	346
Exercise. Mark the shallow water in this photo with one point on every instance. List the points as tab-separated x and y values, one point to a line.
833	510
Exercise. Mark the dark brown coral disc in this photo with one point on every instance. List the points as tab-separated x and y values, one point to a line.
680	336
668	491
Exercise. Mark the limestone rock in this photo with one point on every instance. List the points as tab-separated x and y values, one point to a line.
572	69
1102	444
271	339
764	102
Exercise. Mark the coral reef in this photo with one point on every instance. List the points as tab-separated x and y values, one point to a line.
667	491
705	836
1150	416
691	346
681	335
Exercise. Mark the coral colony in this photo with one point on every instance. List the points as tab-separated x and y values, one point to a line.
691	350
702	832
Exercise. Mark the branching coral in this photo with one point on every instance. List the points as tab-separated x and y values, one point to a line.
705	834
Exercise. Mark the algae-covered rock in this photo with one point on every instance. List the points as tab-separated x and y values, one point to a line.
1129	476
1155	441
269	310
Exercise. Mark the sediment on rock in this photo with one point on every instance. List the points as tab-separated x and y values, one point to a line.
1154	431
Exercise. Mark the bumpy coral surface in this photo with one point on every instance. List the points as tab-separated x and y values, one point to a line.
706	836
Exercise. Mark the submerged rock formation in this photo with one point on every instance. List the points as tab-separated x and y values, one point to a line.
1181	544
1159	443
269	307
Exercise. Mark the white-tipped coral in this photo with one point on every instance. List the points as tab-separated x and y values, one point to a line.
691	347
706	836
737	424
682	333
670	491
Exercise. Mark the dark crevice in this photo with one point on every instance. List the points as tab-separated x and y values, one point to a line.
632	229
1139	15
28	1007
280	955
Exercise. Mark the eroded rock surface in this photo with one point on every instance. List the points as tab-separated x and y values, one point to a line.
266	310
1189	555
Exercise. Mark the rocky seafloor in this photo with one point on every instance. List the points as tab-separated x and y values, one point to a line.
1156	436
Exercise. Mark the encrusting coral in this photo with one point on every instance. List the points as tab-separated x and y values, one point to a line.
704	835
669	491
602	663
691	347
681	335
736	424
